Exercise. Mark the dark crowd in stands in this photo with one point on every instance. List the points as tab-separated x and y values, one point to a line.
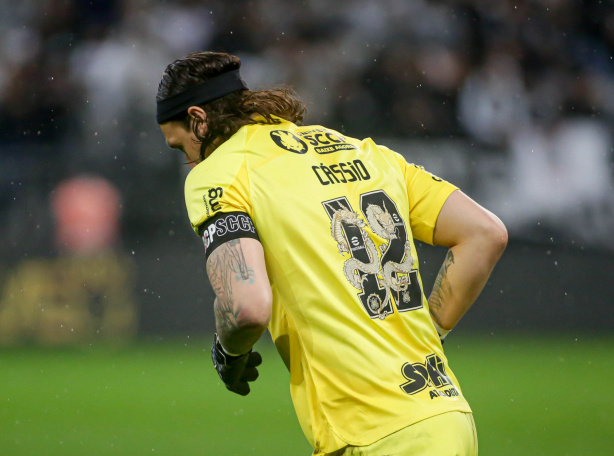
78	81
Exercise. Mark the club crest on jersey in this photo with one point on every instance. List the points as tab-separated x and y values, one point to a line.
289	141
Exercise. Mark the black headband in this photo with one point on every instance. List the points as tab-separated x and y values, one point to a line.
200	94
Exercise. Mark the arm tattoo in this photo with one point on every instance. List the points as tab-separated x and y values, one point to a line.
442	289
227	266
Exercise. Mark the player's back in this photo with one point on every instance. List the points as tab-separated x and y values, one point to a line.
336	217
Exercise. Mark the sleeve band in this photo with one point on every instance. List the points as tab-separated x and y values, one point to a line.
225	227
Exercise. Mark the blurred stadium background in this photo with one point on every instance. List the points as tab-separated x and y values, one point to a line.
105	311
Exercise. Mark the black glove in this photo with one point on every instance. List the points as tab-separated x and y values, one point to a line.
235	371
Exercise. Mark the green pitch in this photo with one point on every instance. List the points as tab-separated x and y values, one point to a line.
531	396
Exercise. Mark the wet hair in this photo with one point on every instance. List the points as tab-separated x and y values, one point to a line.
229	113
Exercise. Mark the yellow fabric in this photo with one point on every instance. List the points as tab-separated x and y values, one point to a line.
359	368
448	434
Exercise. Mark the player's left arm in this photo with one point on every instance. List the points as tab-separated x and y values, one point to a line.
476	239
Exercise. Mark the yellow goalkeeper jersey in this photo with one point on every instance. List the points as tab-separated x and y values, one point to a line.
337	218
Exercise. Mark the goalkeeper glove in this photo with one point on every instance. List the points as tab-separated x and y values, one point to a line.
235	371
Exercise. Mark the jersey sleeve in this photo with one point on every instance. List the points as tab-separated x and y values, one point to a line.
217	185
427	194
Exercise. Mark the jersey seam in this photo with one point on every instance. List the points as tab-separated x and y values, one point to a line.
249	181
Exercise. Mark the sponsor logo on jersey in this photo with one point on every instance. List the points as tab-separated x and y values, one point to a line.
429	374
333	148
211	200
325	141
289	141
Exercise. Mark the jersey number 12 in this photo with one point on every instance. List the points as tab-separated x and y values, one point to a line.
382	273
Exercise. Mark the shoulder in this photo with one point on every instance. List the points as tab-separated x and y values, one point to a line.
219	171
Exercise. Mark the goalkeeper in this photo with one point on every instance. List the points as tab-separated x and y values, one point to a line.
311	233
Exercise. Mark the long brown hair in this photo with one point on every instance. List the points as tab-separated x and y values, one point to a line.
227	114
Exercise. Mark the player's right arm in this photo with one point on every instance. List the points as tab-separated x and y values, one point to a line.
476	239
243	297
217	199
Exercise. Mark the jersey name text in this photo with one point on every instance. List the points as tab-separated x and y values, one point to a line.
341	172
